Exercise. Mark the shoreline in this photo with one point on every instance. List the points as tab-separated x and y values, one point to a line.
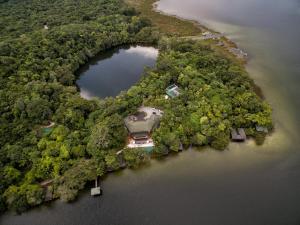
257	89
144	5
203	28
193	34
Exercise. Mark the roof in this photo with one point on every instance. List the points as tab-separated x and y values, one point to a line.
261	129
144	121
238	134
173	91
141	126
141	135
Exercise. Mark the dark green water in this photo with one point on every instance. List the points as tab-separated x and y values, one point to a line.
114	71
247	185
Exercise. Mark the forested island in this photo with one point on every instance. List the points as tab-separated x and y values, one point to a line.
50	135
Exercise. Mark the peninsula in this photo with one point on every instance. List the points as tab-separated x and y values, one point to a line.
53	141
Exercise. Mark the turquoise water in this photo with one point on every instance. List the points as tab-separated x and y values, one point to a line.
47	130
148	149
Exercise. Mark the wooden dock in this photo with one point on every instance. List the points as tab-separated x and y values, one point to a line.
238	134
97	189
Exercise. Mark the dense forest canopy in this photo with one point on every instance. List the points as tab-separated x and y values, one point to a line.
42	44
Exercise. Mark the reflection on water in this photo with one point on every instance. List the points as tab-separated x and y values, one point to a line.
114	71
247	184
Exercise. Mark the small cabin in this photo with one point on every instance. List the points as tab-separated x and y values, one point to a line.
238	134
173	91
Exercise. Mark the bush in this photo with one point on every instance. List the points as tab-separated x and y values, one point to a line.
74	179
135	157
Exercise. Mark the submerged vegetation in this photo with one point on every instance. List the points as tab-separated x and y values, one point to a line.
42	44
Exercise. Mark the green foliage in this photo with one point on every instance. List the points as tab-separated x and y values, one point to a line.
199	139
259	138
37	87
11	175
135	157
111	161
22	197
37	78
215	95
108	134
74	179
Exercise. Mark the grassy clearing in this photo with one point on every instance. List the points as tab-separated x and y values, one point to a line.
169	25
173	26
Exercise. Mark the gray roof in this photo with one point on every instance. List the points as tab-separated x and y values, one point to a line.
173	91
144	121
261	129
140	126
238	134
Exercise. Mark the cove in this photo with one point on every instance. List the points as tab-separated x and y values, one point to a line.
116	70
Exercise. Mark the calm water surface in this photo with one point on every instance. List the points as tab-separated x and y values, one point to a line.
111	72
246	185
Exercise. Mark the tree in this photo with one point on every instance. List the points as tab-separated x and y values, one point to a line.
74	179
221	141
199	139
112	162
10	175
37	85
135	157
15	200
20	198
107	134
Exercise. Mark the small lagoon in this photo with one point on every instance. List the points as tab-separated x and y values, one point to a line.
109	73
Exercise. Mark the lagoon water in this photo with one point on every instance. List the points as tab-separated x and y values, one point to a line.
247	184
114	71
